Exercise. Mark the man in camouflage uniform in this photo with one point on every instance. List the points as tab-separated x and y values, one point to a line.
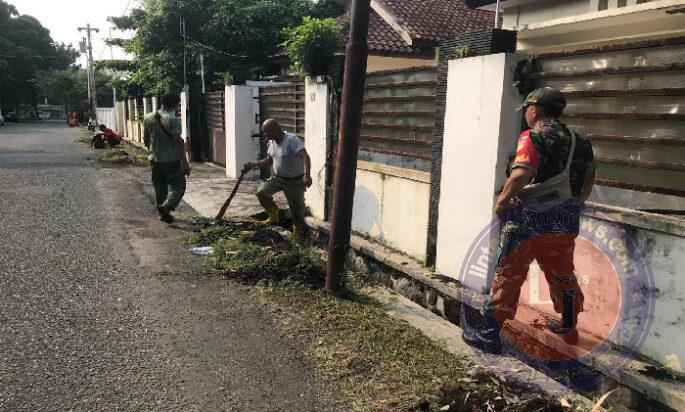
544	234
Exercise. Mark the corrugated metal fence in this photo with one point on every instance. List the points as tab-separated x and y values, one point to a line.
628	99
399	117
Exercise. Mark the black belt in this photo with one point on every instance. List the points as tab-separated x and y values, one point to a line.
290	179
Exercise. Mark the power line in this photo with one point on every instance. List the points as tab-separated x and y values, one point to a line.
239	56
126	9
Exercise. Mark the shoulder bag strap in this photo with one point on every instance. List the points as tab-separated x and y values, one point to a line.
158	117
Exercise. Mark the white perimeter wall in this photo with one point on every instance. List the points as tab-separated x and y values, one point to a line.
481	128
241	124
316	142
391	206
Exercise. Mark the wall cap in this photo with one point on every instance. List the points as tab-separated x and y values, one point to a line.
409	174
644	220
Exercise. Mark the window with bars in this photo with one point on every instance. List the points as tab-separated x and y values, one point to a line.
629	99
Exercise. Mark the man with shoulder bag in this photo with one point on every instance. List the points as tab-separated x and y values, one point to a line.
168	161
539	209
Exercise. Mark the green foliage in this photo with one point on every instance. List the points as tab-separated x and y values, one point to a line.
235	36
26	48
69	87
462	51
311	45
223	79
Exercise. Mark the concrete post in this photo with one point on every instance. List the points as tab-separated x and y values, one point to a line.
146	106
155	104
481	128
594	6
185	102
241	124
317	142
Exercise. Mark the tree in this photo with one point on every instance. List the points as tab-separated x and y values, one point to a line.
69	87
25	49
235	36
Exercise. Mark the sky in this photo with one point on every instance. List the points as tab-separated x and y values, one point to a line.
63	17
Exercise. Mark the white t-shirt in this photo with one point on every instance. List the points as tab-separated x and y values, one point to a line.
286	161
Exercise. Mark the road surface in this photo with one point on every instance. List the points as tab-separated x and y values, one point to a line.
102	310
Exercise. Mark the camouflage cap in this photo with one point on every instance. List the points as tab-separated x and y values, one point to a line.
545	97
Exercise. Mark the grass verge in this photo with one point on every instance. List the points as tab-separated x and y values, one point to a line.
376	362
125	155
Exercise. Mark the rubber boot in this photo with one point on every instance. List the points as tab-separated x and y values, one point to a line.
274	216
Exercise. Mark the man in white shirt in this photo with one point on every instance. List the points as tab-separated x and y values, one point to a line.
291	165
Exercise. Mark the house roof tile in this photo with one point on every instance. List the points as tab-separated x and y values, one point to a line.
426	21
435	20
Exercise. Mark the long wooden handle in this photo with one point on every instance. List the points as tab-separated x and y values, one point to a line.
220	215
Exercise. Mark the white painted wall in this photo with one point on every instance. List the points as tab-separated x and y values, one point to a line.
316	142
549	26
481	129
241	124
666	252
185	112
391	206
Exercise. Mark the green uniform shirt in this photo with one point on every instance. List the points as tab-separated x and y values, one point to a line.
162	147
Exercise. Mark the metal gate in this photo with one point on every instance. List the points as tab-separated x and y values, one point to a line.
215	126
629	100
285	103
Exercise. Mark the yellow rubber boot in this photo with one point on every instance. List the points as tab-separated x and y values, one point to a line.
274	216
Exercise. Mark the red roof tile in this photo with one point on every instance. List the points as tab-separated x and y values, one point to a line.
426	21
434	20
383	39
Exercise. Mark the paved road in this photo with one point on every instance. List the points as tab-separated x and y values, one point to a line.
100	309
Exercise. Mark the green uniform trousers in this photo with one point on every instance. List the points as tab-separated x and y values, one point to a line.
169	182
293	191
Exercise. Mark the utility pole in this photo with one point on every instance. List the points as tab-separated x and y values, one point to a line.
497	13
114	90
183	33
202	71
91	69
356	55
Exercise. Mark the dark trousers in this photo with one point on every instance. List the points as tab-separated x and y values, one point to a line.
169	182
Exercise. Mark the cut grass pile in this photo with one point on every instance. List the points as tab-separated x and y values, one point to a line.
85	139
124	154
375	361
121	156
256	253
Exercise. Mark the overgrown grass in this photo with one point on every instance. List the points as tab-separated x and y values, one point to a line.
124	154
85	139
375	361
121	156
